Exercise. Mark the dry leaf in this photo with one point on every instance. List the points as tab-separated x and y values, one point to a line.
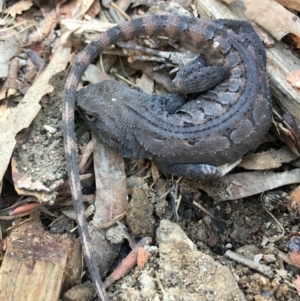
13	120
293	203
94	10
50	22
296	40
267	160
25	185
294	79
291	4
240	185
270	15
110	200
154	172
85	157
146	84
18	7
8	48
95	75
79	29
73	8
286	129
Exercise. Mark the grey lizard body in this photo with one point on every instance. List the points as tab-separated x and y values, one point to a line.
216	128
228	121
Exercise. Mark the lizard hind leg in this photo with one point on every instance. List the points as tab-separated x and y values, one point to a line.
194	78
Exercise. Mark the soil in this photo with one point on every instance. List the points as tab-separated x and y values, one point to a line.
243	226
193	267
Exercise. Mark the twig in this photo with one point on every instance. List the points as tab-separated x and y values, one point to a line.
127	264
121	11
112	221
275	237
207	212
264	269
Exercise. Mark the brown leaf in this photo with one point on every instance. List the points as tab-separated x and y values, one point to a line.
294	79
73	8
50	22
94	9
13	121
296	40
267	160
18	7
291	4
293	203
110	199
154	172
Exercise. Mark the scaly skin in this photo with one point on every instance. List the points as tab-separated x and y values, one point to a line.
178	143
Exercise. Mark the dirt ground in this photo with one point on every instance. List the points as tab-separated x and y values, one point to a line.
243	226
252	227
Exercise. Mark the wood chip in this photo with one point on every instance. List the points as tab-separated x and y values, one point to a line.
35	263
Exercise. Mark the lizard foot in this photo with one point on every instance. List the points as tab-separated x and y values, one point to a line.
198	171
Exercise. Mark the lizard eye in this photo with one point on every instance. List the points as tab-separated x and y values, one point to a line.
90	117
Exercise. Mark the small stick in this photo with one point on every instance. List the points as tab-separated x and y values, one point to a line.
264	269
127	264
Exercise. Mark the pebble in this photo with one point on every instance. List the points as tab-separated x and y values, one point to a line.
49	129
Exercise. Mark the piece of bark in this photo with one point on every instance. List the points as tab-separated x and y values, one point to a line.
281	61
34	264
139	216
111	200
73	270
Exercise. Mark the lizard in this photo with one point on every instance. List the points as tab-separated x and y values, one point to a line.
192	142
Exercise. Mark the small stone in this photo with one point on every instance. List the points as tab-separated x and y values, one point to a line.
50	129
115	235
269	258
267	225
